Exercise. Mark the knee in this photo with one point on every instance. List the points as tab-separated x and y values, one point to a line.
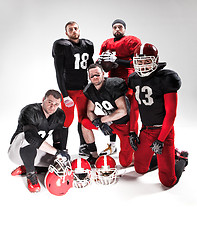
140	168
167	181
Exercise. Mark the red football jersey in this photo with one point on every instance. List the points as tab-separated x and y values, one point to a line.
124	49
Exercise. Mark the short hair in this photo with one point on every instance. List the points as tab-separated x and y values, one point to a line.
95	65
54	93
70	23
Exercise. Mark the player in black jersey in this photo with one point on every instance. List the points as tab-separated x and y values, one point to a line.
28	144
108	95
156	97
72	56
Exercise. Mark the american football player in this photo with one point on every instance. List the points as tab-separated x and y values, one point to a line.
109	95
72	56
28	144
121	49
155	91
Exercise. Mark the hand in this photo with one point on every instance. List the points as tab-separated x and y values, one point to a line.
68	102
104	127
109	57
134	140
63	154
157	147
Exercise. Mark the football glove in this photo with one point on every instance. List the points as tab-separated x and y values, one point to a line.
104	127
134	140
63	154
109	57
68	102
157	147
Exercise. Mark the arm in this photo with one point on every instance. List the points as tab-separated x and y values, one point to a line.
134	115
90	110
59	63
120	112
170	102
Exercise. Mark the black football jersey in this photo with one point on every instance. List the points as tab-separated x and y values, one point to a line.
71	61
105	97
32	119
149	93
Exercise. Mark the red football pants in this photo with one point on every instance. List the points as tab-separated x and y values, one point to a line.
80	101
166	160
122	130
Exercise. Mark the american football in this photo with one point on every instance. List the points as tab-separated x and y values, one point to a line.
107	65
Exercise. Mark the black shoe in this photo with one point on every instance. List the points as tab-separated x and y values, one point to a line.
184	156
92	161
83	150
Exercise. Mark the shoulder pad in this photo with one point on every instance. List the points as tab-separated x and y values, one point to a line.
131	79
27	115
86	41
86	90
59	45
170	80
61	116
116	86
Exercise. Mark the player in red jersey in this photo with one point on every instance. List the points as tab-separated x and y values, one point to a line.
122	48
156	97
72	56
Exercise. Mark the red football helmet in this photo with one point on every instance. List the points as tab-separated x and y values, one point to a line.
145	60
105	170
82	172
59	178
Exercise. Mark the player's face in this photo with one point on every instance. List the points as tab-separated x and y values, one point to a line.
96	76
145	64
50	105
73	32
118	30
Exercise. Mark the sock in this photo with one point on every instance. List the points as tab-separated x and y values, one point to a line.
28	155
82	140
113	138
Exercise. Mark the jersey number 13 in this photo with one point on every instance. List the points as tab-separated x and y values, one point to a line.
148	100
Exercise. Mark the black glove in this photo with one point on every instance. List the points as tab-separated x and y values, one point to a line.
134	139
157	147
63	154
106	130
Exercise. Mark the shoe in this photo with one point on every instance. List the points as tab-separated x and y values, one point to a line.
92	161
184	156
109	150
19	171
83	150
32	181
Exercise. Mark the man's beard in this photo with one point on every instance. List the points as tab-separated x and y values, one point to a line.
118	35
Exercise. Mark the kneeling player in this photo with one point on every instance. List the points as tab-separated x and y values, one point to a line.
28	144
109	95
156	97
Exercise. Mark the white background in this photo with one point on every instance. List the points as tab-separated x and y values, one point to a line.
137	206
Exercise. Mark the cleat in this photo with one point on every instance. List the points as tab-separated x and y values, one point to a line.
184	156
32	181
109	150
19	171
92	161
83	150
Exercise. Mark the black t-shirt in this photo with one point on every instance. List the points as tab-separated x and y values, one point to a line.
149	93
36	126
71	61
105	97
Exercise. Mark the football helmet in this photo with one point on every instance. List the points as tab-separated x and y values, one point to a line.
81	172
145	60
106	171
59	178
